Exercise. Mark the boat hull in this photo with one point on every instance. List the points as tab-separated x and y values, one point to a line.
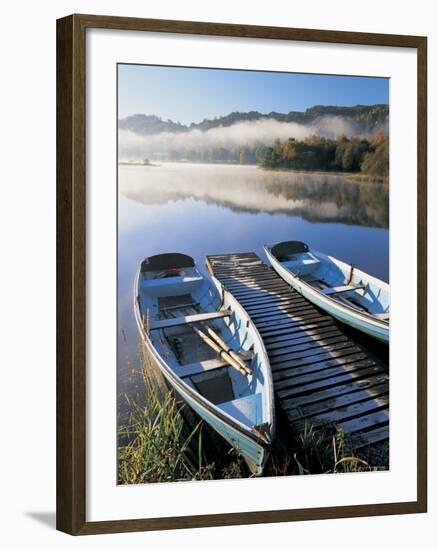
248	444
363	323
254	452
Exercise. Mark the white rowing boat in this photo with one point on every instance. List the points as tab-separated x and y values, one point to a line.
208	350
347	293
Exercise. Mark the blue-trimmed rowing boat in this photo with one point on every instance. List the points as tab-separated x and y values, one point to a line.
347	293
209	351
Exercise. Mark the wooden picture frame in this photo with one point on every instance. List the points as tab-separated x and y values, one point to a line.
71	273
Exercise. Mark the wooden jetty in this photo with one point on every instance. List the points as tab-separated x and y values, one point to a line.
321	375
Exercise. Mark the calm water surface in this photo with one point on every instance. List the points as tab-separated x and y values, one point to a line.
203	209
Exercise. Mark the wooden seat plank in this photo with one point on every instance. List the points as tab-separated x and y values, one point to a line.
188	319
339	289
382	316
211	364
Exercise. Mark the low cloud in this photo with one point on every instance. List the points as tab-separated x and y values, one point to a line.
249	133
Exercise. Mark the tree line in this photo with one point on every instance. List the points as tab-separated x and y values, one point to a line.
237	155
315	153
370	157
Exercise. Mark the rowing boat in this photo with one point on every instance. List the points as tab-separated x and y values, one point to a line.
347	293
208	350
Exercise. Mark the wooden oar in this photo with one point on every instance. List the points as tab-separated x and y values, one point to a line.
219	350
229	350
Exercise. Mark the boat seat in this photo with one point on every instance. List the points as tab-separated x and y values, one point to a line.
382	316
340	289
203	366
188	319
247	410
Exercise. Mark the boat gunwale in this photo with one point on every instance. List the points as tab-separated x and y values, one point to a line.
268	378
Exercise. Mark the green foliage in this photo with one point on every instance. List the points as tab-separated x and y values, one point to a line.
155	448
322	154
376	161
317	453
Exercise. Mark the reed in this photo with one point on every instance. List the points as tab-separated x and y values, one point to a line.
324	452
155	449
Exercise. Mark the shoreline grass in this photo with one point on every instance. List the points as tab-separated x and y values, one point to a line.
359	177
158	444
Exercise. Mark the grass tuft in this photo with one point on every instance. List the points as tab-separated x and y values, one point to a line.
155	448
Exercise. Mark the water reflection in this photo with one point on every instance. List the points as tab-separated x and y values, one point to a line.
313	197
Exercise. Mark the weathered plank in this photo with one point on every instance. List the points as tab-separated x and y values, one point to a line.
313	351
364	439
308	343
328	382
303	336
352	411
323	356
272	298
286	305
311	329
362	422
263	284
265	326
315	319
312	409
331	393
253	293
322	374
315	367
283	315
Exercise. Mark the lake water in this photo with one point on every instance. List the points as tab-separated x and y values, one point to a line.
201	209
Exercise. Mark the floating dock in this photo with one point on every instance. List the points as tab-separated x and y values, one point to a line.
321	375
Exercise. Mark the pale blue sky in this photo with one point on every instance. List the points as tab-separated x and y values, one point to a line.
190	95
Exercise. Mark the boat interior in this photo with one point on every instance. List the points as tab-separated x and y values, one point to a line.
182	312
338	280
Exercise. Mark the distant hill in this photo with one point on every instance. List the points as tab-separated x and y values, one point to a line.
369	118
149	125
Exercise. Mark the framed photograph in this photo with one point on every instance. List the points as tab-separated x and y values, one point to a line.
241	288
